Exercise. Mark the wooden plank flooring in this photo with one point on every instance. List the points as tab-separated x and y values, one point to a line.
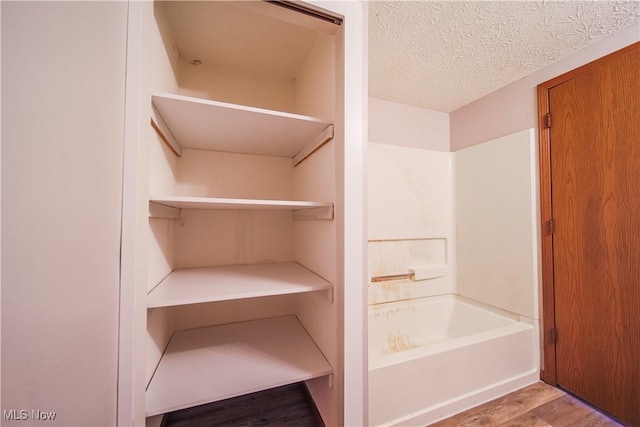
281	406
538	405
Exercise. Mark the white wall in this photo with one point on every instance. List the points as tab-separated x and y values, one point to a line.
63	73
317	75
496	223
410	199
351	126
403	125
315	246
213	81
236	86
514	108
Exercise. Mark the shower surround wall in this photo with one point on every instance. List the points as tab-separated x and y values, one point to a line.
472	212
419	194
497	232
410	199
496	224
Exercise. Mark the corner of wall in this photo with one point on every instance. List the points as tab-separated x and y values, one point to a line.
514	107
398	124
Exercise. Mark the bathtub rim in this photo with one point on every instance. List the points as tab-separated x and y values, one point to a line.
516	323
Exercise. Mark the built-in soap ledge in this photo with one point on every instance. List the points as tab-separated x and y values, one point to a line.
428	272
415	274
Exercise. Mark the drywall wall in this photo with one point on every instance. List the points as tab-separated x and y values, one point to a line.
351	138
207	238
317	75
315	244
403	125
514	108
236	86
496	223
63	86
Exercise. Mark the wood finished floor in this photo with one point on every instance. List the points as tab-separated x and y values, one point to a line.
538	405
285	406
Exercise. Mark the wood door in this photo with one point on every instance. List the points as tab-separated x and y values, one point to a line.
594	150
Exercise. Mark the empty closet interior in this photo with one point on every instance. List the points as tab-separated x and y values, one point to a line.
242	250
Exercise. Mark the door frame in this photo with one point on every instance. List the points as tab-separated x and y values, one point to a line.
548	371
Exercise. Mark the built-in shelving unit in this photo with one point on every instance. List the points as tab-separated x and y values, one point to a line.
209	364
212	363
211	125
284	160
209	284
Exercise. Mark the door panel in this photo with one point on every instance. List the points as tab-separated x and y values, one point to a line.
595	170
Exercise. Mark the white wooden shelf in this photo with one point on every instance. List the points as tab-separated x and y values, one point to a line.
209	284
209	364
219	126
185	202
168	206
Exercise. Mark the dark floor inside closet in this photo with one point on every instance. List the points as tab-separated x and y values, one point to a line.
289	405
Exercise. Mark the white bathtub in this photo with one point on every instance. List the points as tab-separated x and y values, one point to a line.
433	357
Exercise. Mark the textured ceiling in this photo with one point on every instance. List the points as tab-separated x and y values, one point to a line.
442	55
